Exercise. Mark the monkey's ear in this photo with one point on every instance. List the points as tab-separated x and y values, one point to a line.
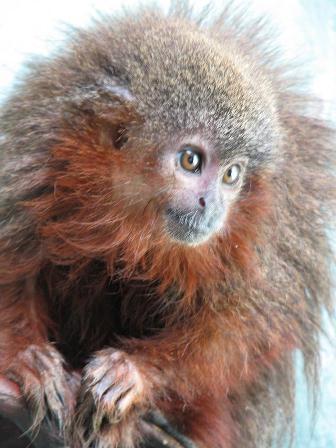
113	134
117	118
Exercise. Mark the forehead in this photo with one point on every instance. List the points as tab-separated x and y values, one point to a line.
184	81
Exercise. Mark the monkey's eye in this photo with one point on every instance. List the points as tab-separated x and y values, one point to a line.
190	160
232	174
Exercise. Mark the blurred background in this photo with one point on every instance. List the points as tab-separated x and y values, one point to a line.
306	33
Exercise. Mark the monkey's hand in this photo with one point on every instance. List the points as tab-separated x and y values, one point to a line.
114	394
49	391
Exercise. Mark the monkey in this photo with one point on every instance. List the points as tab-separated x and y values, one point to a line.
166	191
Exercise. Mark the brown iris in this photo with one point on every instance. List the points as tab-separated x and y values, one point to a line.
232	174
190	160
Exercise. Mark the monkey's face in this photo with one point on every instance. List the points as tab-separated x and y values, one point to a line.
203	190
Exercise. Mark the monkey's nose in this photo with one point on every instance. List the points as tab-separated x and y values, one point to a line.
201	202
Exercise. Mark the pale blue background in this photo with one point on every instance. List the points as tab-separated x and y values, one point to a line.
307	33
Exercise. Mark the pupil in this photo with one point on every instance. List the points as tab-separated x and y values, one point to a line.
191	159
229	173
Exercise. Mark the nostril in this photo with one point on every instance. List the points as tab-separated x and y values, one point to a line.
201	202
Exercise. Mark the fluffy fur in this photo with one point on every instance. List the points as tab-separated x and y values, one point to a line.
204	333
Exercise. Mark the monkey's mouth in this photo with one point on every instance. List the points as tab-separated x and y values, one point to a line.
191	226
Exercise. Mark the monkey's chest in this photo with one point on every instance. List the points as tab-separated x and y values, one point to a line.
86	324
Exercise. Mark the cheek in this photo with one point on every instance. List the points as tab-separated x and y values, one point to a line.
184	197
136	181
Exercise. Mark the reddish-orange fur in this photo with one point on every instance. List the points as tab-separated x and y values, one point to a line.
93	231
206	328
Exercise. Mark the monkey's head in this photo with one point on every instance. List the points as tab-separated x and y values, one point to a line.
165	131
206	122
